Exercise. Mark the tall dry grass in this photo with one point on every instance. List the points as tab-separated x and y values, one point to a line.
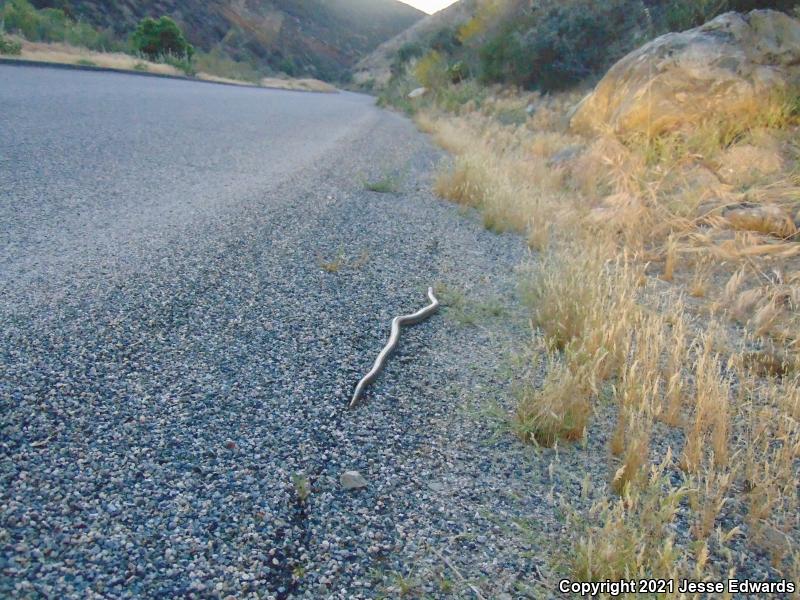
666	270
59	53
72	55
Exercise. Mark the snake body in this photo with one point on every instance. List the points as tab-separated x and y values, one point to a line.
394	338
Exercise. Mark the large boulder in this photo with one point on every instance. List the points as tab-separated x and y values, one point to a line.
729	67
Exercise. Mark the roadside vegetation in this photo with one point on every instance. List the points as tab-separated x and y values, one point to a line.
155	46
9	47
387	184
665	291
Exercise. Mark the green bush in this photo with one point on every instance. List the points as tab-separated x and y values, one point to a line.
431	70
452	97
288	66
84	35
446	41
409	51
182	63
158	39
20	17
9	47
458	71
53	25
559	44
219	64
405	54
396	94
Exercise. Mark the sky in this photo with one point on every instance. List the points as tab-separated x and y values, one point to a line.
429	6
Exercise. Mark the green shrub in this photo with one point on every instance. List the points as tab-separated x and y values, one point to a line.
182	63
84	35
557	45
288	66
9	47
53	25
396	94
431	70
679	15
452	97
458	72
160	39
19	16
221	65
409	51
405	54
446	41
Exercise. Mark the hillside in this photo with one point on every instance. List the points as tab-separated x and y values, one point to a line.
376	66
546	45
320	38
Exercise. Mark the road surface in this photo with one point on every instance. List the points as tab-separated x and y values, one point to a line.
192	279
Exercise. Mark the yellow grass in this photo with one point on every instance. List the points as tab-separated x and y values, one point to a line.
627	232
70	55
560	409
227	80
304	85
58	53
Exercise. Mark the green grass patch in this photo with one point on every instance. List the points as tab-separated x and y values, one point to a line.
9	47
388	184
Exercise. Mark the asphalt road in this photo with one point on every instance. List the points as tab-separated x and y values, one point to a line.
192	279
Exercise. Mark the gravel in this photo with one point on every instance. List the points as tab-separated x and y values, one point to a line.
176	363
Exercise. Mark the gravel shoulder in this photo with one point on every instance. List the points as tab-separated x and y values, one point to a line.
174	353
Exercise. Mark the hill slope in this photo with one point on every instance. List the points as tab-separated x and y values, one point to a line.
321	38
542	44
442	29
376	67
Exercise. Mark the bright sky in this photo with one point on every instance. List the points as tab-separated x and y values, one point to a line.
430	6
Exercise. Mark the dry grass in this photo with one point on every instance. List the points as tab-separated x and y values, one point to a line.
631	536
667	270
560	409
226	80
300	85
70	55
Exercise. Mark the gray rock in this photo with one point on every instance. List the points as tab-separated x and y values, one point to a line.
352	480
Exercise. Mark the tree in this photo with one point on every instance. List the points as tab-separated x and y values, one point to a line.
161	38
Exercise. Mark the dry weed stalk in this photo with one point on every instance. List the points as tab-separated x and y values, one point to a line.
709	430
708	494
674	368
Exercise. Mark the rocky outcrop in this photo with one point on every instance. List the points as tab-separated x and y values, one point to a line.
730	67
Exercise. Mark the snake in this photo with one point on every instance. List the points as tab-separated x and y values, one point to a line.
394	338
